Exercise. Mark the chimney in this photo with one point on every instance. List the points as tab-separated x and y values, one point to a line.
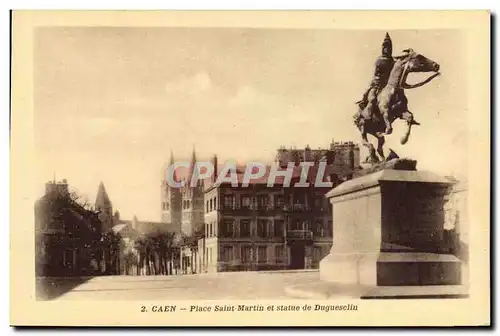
53	186
134	222
50	187
215	163
307	154
62	187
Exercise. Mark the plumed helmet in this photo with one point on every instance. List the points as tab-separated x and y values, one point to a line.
387	42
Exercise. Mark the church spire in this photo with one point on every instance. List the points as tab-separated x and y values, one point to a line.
102	200
171	157
192	166
193	156
103	205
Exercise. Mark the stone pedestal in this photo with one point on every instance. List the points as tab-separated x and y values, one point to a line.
388	231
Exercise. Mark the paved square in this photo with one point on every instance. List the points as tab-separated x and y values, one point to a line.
217	286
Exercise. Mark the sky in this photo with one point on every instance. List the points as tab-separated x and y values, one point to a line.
112	103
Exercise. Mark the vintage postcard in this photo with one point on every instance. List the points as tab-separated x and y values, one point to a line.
205	168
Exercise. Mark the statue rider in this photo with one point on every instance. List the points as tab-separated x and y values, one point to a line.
383	67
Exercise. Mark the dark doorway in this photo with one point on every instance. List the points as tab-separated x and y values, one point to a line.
297	256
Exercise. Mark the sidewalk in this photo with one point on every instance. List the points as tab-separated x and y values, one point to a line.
48	288
322	290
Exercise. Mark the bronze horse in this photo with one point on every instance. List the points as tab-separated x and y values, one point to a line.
392	102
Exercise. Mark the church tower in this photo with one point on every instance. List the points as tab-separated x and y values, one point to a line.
171	200
192	201
104	206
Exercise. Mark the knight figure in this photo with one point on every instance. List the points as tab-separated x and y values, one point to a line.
368	103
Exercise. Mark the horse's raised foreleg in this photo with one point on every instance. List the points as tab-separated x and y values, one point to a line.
372	156
410	121
388	126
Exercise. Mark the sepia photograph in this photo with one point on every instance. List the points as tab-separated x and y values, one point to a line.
238	168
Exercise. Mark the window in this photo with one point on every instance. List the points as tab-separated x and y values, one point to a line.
319	229
229	201
306	225
279	228
215	203
245	228
278	201
246	202
262	228
246	254
227	229
279	252
317	254
262	201
299	201
262	253
318	203
207	207
226	253
43	250
211	205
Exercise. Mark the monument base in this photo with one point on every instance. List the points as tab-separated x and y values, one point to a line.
388	231
392	269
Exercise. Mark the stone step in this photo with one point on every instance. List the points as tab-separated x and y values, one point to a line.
417	268
322	290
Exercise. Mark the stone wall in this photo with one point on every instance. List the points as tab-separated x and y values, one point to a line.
456	225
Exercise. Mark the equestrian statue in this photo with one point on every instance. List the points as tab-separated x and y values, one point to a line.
384	101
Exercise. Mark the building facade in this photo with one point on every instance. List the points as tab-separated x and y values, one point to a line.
265	228
67	235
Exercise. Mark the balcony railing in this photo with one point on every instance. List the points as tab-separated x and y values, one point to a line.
252	207
297	208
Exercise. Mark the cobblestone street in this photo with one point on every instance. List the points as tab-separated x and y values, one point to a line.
224	286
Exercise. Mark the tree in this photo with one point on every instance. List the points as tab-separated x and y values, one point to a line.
140	245
162	243
82	201
111	243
